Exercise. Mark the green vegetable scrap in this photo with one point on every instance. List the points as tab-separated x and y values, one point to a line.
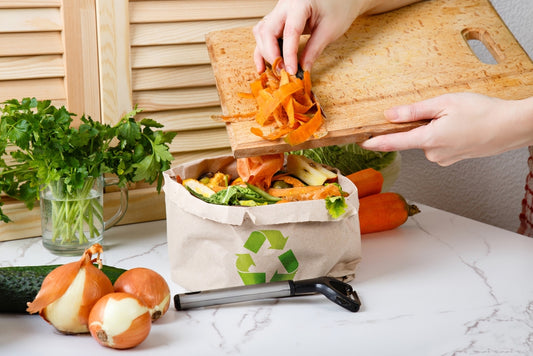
349	158
38	146
239	195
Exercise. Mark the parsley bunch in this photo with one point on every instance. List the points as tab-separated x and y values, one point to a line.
38	146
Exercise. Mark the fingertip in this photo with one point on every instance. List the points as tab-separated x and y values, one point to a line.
259	61
391	114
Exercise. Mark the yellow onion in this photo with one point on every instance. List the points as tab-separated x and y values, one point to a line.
119	321
147	285
69	292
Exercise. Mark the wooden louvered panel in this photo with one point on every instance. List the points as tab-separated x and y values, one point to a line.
6	4
169	55
184	157
30	20
187	141
175	11
172	77
156	100
53	89
48	51
31	67
81	57
30	43
180	32
188	119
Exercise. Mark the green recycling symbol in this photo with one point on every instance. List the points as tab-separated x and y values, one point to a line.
254	243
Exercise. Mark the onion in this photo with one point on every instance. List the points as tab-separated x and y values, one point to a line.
69	292
147	285
119	321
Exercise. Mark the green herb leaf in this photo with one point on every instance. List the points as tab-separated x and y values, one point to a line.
336	206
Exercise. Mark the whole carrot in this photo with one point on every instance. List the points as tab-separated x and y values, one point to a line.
384	211
368	181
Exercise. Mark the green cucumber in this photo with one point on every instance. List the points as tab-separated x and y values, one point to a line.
20	285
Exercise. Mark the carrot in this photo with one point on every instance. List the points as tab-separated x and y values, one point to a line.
384	211
294	182
286	107
259	170
308	192
368	181
304	132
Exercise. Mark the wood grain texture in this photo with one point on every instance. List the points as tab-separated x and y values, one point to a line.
81	57
172	77
197	10
169	55
32	43
180	32
30	20
394	58
53	89
31	67
7	4
114	59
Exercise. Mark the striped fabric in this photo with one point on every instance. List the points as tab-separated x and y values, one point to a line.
526	216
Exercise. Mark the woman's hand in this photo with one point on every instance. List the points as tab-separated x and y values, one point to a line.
463	125
325	20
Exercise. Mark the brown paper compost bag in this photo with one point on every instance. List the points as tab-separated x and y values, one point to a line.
215	246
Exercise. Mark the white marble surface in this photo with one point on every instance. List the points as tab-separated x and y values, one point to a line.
439	285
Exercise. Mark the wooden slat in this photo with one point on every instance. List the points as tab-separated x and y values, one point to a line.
30	20
187	119
187	141
183	157
170	11
144	204
53	89
81	57
30	67
25	223
169	55
30	43
114	59
180	32
169	77
155	100
11	4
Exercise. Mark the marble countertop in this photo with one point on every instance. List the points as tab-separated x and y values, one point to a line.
439	285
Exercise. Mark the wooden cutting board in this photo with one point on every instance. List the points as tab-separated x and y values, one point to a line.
400	57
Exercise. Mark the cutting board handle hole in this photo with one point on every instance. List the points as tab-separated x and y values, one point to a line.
483	46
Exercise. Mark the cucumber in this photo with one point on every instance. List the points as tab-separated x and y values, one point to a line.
20	285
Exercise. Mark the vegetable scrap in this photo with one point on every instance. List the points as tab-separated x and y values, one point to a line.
286	105
265	180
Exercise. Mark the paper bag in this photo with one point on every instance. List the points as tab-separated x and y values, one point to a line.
215	246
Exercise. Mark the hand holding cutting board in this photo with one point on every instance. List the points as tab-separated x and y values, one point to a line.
391	59
463	125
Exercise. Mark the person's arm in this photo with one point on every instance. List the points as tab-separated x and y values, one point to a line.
463	125
324	20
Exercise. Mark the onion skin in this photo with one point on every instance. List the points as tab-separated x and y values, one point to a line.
147	285
56	284
119	321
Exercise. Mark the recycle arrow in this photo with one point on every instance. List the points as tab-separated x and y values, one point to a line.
254	243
